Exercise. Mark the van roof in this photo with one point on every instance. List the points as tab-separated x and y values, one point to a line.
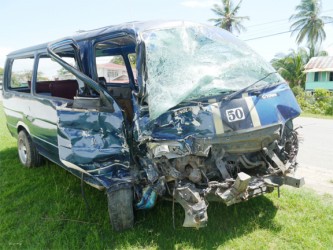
134	28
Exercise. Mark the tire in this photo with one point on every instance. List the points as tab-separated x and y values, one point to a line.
27	151
120	204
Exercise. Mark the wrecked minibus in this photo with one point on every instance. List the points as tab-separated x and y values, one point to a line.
151	110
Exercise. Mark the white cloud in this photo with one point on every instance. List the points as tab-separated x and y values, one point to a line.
199	4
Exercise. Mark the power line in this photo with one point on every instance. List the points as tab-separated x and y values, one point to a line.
262	24
281	20
275	34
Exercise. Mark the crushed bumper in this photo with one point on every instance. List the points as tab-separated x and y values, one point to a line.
194	200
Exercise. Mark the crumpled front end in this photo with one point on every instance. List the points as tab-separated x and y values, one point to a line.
222	150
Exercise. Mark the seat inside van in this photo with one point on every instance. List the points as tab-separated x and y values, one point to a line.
62	88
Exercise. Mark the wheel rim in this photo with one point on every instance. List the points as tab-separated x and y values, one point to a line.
22	151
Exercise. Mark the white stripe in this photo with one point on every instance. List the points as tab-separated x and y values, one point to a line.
253	112
217	119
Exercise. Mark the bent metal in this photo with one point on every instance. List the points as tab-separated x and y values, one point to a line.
153	110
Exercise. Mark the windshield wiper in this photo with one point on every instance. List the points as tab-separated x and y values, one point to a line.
232	95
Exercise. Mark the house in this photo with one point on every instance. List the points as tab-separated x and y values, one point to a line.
112	72
319	73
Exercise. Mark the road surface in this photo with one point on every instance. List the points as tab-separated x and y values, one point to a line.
316	153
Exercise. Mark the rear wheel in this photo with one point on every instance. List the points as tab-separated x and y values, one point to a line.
27	151
120	204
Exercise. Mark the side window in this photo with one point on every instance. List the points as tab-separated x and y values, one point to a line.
49	70
316	76
112	68
331	76
21	74
110	63
54	80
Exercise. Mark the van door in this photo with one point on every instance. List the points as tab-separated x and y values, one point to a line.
91	131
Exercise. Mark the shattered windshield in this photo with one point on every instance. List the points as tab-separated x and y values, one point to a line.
194	61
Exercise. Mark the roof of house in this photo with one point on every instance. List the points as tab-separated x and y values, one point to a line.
319	64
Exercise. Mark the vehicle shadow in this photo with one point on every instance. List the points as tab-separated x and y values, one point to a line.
224	224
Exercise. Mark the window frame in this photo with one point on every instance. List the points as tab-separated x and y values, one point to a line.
130	74
330	78
7	77
38	56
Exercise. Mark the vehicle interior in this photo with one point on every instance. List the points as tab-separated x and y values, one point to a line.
116	70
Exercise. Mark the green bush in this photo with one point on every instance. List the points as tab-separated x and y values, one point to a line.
320	102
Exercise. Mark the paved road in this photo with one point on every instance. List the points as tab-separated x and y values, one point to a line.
316	153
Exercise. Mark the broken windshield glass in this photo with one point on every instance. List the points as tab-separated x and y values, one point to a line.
195	61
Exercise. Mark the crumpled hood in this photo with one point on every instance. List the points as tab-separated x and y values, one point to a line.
273	105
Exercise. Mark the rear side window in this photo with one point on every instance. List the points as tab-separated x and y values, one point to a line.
21	74
54	80
49	70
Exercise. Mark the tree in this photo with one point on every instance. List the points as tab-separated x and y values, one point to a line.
291	66
1	71
227	16
308	24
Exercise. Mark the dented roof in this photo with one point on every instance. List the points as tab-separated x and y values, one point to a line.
319	64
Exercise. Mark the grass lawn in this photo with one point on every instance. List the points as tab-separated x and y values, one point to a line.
42	208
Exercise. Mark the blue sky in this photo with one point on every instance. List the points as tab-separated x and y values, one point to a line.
26	23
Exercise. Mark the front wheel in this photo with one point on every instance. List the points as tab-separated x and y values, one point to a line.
120	204
27	150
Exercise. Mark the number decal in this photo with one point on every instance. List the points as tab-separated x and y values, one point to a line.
235	114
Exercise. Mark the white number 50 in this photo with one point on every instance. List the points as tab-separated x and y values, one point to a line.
235	114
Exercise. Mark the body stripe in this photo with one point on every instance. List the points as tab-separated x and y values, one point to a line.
217	119
253	112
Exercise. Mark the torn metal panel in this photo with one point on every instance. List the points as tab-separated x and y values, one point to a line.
95	144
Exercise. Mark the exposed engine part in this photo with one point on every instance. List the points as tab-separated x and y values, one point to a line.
221	165
275	159
249	164
291	145
220	176
194	174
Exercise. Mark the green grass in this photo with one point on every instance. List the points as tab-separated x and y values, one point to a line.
42	208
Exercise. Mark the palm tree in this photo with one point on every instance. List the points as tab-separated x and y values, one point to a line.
227	16
308	24
291	66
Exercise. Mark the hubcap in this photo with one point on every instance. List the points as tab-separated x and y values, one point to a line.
22	151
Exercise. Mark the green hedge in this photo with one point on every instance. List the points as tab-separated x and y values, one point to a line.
320	102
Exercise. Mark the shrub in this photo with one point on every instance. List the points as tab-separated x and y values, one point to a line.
321	102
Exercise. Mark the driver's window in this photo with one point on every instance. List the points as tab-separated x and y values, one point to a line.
111	57
112	69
